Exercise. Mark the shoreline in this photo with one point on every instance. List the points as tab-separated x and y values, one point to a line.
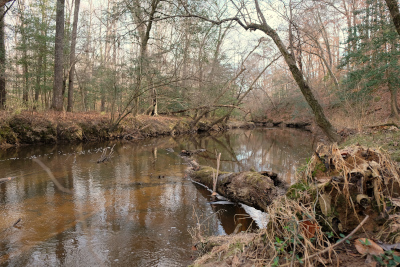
54	128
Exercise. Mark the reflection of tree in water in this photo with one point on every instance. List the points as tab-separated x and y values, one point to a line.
124	204
277	150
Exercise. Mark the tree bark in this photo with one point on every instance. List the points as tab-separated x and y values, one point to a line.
394	13
2	63
25	68
57	103
72	58
393	101
154	111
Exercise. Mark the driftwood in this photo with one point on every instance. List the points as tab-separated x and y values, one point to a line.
255	189
104	157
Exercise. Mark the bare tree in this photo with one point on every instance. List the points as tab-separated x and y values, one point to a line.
58	58
72	58
297	74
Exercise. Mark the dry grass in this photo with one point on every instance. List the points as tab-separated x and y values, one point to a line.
298	232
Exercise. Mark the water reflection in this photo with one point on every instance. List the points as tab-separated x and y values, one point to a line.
133	210
277	150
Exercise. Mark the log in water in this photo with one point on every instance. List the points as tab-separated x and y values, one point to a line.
255	189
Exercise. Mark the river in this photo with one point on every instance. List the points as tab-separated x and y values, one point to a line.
138	209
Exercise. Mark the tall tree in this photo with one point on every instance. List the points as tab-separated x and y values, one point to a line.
297	74
2	62
72	58
375	59
58	58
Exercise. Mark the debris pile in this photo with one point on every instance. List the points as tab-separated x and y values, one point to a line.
345	202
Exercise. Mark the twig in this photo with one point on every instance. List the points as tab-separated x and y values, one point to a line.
215	176
338	243
16	222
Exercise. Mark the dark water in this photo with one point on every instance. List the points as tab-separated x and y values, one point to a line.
137	209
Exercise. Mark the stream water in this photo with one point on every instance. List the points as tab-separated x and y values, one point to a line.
138	209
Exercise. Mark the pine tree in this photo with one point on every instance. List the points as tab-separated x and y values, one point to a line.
374	62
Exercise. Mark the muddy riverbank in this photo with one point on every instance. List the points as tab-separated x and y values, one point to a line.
52	127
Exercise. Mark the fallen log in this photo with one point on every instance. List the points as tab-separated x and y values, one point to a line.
255	189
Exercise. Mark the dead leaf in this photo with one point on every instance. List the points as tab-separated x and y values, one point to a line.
367	246
325	204
309	228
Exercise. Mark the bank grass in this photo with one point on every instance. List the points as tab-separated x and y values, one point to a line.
386	138
339	196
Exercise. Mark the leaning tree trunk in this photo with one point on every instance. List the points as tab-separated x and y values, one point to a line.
255	189
58	58
298	76
394	13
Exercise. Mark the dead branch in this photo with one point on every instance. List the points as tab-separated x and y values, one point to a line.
104	157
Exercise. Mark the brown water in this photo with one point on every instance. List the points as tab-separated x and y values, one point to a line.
135	210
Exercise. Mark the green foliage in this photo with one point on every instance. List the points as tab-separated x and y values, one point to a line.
372	52
347	241
294	192
388	259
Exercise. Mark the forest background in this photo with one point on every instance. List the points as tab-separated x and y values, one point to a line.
218	59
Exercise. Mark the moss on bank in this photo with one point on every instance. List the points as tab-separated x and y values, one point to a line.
52	127
384	137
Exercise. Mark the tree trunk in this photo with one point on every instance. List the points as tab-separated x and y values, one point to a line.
393	101
305	88
57	103
144	35
38	76
154	111
2	63
72	58
25	55
394	13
